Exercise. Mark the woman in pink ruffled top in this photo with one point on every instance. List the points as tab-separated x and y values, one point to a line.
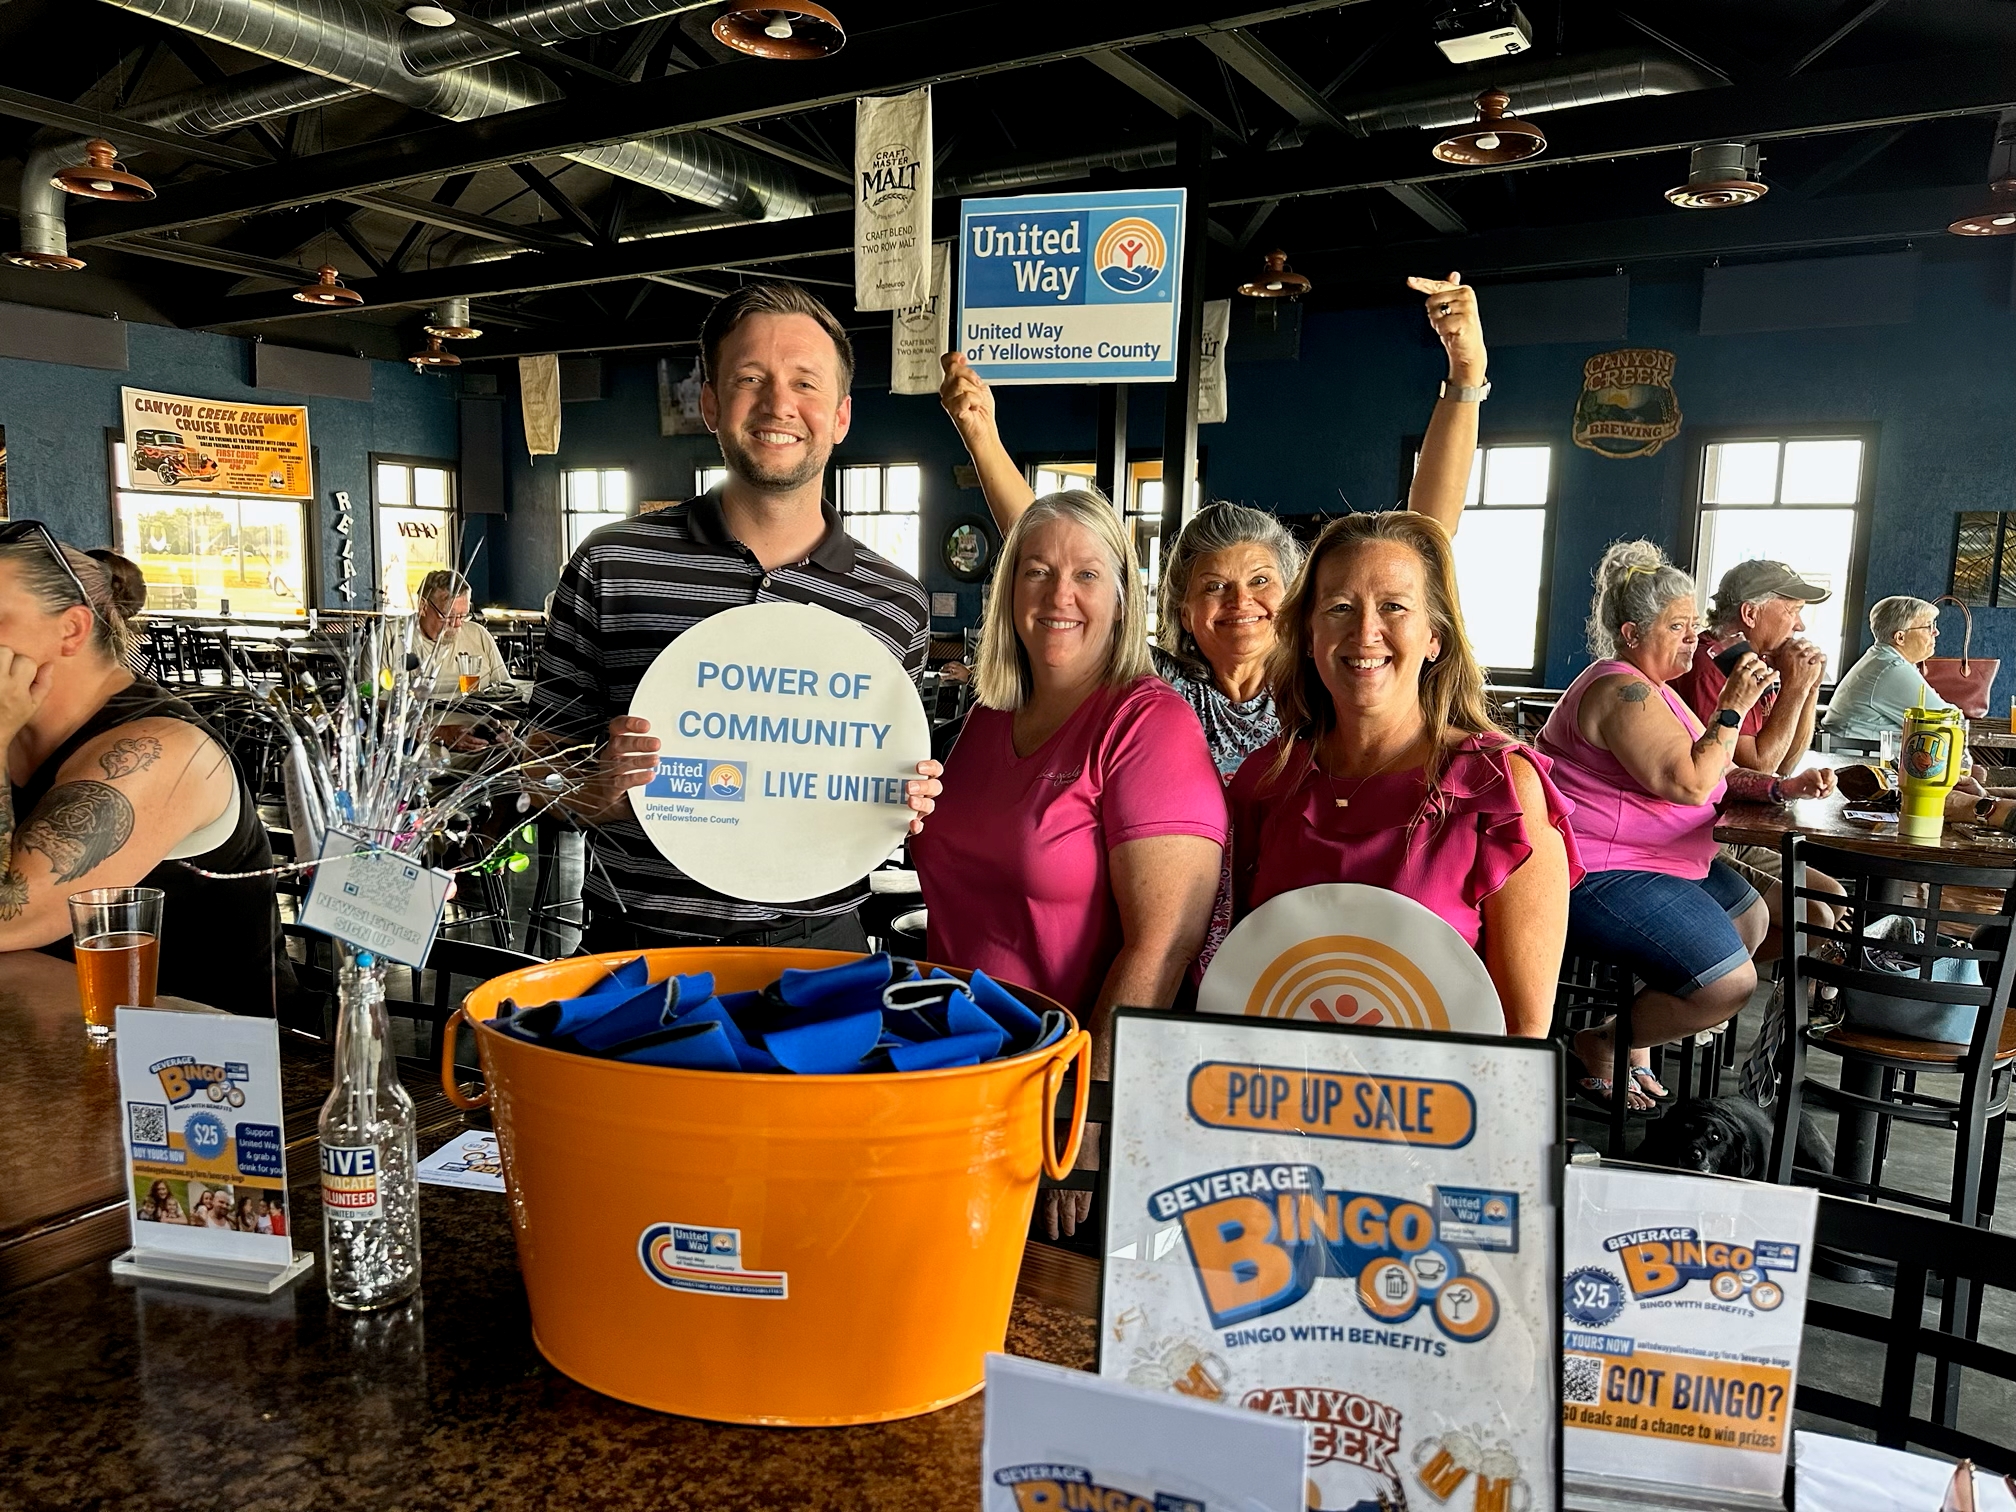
1390	771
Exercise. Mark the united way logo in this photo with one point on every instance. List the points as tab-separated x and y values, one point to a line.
726	779
1130	255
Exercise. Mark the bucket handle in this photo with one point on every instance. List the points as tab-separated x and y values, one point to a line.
448	1084
1079	1049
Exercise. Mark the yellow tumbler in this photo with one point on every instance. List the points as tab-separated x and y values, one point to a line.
1927	767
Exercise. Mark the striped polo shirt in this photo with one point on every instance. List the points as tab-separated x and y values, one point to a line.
630	590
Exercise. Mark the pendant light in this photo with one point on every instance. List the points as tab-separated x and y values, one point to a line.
1720	176
1997	215
794	29
1276	279
450	320
434	357
1494	137
100	176
328	290
429	15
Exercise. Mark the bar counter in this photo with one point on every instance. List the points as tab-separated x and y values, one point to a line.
122	1395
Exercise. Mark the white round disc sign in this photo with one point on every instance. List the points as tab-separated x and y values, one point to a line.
1344	953
787	733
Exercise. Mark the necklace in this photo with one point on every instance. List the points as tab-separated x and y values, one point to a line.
1346	802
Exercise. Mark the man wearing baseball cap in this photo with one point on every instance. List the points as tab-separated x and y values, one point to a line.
1762	602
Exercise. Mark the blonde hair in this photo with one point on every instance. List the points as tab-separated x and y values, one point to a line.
1452	685
1001	676
1634	584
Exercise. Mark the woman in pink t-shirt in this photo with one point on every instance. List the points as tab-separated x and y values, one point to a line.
1076	849
1389	770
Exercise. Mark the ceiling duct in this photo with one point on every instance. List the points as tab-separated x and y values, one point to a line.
361	44
1540	89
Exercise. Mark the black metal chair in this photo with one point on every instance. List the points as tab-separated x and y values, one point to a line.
1914	1245
1880	1069
1594	989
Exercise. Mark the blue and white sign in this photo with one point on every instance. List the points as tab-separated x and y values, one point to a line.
1071	288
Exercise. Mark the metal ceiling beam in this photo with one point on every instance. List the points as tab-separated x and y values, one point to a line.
1857	155
127	136
792	155
217	259
448	218
1158	91
1004	34
1843	21
1772	226
560	204
1258	65
1862	99
1431	207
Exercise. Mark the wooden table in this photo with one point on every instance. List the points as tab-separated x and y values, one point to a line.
1826	819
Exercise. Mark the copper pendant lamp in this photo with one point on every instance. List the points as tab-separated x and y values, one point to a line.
1997	215
48	262
1494	137
328	290
793	29
434	356
100	176
1276	279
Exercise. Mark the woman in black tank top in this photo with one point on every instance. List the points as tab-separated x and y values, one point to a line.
108	776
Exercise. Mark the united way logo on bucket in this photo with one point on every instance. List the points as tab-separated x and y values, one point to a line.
693	1257
1130	255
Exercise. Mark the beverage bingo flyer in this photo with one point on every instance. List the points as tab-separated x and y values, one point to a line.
206	1164
1683	1297
1352	1227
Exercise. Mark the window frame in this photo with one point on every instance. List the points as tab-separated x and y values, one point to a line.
1127	506
567	513
1854	614
1410	448
448	465
311	531
838	465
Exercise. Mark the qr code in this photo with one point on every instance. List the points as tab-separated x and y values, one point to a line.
148	1123
381	881
1581	1378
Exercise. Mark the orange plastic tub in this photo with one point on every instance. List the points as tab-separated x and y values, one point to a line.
789	1250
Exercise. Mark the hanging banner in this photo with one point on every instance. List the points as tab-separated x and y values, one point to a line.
205	1151
892	208
788	736
1628	407
1344	953
1071	288
1684	1299
1354	1227
923	331
539	403
175	443
1211	398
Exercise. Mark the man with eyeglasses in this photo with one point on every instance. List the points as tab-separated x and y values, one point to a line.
449	635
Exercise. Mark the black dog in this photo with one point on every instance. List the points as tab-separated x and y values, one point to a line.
1727	1136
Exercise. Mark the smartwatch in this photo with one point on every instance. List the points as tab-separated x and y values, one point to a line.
1984	807
1728	719
1466	393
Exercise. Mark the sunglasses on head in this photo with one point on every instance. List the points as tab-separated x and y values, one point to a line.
16	531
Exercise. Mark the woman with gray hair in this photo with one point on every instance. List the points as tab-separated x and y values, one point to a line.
1078	844
1875	693
1645	776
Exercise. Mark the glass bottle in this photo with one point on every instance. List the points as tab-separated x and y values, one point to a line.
370	1195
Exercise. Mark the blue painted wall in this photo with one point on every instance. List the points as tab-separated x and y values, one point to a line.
56	417
1327	431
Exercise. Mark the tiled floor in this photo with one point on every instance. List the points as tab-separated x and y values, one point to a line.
1920	1160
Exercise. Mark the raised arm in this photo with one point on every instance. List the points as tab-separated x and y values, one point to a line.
1442	476
970	404
119	805
1626	716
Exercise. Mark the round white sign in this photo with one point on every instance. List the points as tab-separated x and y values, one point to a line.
787	734
1344	953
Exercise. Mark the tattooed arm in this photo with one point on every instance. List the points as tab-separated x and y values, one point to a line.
1627	717
119	805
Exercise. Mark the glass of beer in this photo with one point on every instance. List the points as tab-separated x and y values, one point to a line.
115	933
467	674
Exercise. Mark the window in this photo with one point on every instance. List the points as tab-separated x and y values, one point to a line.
594	497
1797	500
416	526
880	508
1501	555
1142	508
200	552
707	479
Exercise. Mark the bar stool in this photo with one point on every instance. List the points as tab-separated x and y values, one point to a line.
1593	989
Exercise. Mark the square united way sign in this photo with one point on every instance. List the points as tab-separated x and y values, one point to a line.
1071	288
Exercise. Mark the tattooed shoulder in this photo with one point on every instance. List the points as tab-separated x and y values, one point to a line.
78	825
133	754
1635	692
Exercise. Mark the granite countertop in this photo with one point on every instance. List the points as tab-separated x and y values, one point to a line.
138	1396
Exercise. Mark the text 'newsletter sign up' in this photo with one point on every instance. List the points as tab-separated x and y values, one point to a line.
1071	288
787	739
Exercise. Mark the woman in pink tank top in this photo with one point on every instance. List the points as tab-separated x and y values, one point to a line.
1645	777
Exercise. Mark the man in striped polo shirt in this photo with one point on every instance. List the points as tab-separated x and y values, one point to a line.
777	367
